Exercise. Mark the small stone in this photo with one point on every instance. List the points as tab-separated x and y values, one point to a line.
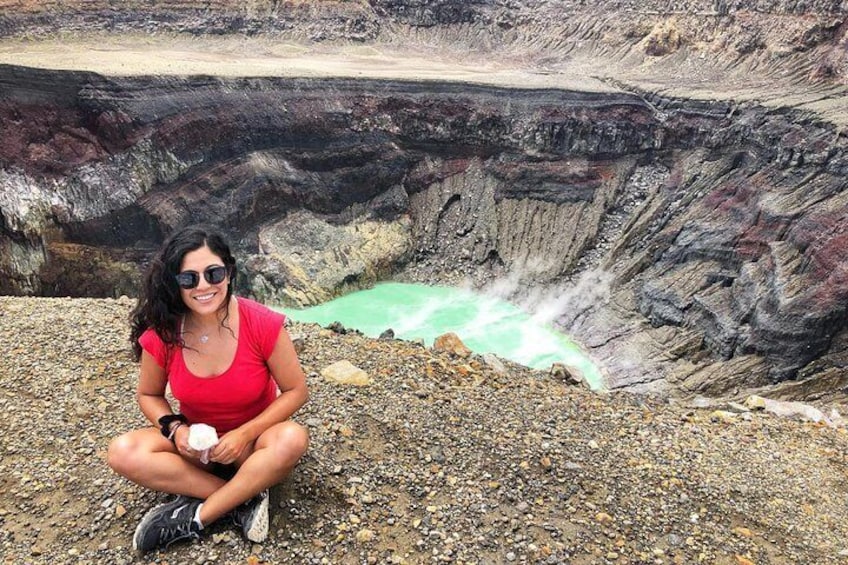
603	518
755	402
744	532
365	535
737	408
723	416
673	540
337	327
299	343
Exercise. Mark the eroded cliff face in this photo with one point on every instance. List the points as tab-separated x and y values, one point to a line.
690	245
723	227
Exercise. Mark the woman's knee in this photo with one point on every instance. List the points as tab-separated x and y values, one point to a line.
291	440
125	454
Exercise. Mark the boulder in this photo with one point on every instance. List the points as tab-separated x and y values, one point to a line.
346	373
492	361
451	343
569	375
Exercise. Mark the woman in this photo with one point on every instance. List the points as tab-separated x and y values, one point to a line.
231	364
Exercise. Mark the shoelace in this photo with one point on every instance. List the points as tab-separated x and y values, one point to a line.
179	532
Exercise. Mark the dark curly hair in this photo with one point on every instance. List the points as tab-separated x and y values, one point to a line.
160	305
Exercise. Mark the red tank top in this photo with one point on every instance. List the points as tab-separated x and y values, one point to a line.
240	393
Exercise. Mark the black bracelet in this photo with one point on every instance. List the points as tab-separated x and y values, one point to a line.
166	421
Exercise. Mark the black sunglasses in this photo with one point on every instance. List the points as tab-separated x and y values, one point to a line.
213	275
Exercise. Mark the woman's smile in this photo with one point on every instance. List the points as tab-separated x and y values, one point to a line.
206	298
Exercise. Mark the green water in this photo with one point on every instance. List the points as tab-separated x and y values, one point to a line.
484	323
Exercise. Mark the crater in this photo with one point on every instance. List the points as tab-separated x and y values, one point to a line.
663	175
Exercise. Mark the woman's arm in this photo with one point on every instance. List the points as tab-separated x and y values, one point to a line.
151	399
286	371
151	389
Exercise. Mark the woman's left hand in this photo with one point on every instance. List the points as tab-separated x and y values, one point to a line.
230	447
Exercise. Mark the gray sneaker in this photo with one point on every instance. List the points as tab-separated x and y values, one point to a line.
166	524
252	517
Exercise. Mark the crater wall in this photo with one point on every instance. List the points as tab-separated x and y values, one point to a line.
722	226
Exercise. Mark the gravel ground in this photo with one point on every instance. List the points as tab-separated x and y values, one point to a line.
438	460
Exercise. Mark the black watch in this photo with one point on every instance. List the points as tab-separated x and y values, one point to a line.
168	419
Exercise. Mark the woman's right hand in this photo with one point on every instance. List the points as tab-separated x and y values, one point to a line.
181	441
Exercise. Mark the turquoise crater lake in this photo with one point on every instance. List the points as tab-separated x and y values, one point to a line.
484	323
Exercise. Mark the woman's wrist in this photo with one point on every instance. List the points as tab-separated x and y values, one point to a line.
167	421
248	431
173	427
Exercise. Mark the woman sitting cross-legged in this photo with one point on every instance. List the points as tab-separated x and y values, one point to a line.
230	363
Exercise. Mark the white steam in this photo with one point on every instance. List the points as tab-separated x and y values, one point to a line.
562	303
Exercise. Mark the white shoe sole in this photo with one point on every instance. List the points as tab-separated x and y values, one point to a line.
258	531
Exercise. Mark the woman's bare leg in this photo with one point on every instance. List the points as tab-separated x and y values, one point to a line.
275	454
150	460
